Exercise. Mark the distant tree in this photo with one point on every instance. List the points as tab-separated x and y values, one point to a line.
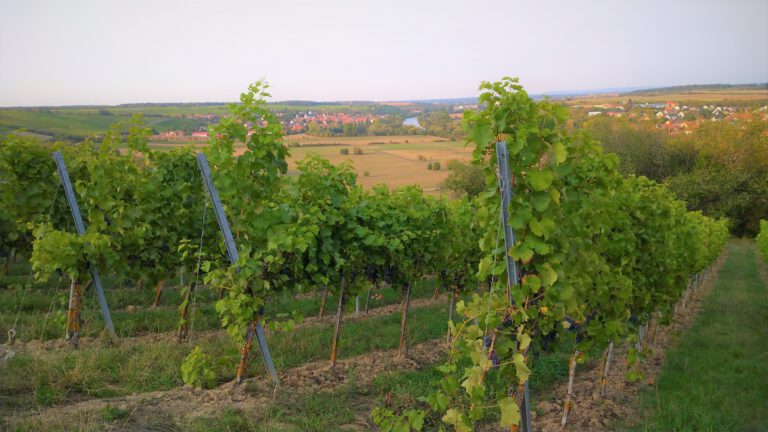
729	175
350	129
642	148
314	129
440	123
464	179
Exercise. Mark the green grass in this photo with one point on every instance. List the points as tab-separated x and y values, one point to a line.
716	379
231	420
46	378
133	317
58	123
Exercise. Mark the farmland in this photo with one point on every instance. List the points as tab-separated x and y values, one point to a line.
398	161
689	97
391	160
394	308
89	121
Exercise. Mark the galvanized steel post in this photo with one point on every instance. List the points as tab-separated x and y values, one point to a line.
232	253
513	278
80	226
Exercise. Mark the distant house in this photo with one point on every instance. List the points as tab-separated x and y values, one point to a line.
594	113
199	135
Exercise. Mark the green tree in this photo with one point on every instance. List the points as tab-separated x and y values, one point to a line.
464	179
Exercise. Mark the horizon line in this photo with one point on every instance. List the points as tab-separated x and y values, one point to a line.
551	93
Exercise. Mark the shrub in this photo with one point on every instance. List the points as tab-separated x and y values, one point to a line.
344	151
197	369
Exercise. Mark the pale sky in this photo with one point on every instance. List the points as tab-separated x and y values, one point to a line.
61	52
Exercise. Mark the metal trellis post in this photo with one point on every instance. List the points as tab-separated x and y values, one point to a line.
513	278
72	199
232	253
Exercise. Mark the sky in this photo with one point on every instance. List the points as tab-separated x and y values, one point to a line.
78	52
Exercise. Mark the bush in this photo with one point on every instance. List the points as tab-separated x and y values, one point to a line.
429	166
357	151
422	158
197	369
344	151
436	166
366	173
464	179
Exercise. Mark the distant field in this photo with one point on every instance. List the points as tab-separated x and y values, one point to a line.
87	121
700	96
56	122
395	163
304	139
83	122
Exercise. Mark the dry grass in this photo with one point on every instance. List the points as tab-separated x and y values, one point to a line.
393	164
304	139
392	160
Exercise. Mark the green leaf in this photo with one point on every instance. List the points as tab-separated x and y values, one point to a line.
523	372
510	412
531	283
521	252
541	201
540	179
558	149
547	274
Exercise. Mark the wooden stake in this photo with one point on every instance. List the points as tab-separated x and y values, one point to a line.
158	290
519	396
451	307
245	350
404	321
325	299
183	332
73	313
339	315
367	299
606	367
571	374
